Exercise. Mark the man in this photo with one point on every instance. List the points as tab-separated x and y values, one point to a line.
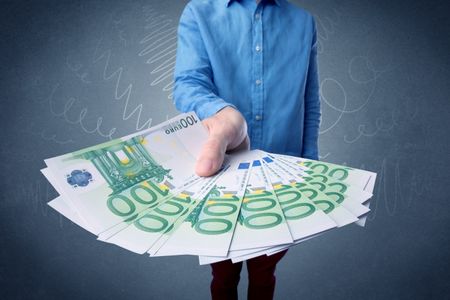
249	70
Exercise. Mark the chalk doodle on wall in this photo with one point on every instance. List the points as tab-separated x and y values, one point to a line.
131	54
113	54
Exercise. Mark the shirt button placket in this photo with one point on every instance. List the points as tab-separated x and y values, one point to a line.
258	73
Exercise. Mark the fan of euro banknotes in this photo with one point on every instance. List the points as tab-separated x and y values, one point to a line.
140	192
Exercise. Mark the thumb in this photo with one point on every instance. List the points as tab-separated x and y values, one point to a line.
244	145
211	157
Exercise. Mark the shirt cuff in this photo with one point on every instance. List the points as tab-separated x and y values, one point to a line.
310	152
210	108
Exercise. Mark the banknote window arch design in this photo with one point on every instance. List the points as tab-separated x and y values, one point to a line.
125	163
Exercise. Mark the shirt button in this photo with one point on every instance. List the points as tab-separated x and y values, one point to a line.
257	16
258	117
258	82
258	48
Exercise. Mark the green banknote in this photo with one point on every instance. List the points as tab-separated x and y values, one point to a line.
304	217
209	228
327	204
349	197
114	181
299	201
202	192
357	178
261	222
153	224
62	205
351	176
140	192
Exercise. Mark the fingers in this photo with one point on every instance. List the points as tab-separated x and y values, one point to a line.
211	156
227	131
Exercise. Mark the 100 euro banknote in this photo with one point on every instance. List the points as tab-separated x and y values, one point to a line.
209	228
114	181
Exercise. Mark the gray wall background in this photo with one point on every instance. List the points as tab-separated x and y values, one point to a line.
76	73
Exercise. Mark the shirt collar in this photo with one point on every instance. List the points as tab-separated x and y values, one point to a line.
277	2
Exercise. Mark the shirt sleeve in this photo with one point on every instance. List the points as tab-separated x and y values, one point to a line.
194	88
312	105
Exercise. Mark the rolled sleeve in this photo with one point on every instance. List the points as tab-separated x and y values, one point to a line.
194	88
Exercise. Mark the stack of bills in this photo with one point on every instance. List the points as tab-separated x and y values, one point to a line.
140	192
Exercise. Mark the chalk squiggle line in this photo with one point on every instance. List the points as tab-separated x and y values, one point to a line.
33	192
381	182
157	36
161	45
379	125
82	115
75	68
324	156
365	103
327	31
83	112
417	187
375	75
117	73
361	130
52	137
344	92
420	184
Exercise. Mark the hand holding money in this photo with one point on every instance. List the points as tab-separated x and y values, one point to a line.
140	192
227	131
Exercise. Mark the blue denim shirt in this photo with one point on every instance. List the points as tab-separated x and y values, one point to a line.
259	58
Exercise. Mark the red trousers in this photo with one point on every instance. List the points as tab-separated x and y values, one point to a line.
261	278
